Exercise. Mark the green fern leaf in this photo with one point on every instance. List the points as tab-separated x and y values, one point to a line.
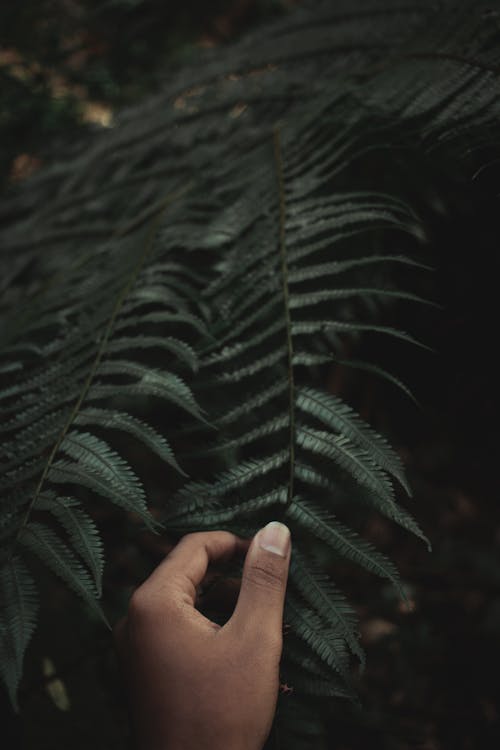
159	317
273	425
27	471
260	314
310	299
164	385
311	476
18	616
218	517
355	461
237	350
308	626
343	540
236	478
339	417
320	593
255	367
376	370
183	351
63	472
43	542
308	676
253	402
125	422
333	268
34	439
81	530
316	326
99	458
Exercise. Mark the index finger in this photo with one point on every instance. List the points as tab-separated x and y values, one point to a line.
186	565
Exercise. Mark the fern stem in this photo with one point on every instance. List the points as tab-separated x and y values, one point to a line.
286	304
122	296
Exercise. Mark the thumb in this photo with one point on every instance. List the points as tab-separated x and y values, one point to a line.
263	585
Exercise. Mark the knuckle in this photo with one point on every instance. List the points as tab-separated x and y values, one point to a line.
192	539
139	604
266	574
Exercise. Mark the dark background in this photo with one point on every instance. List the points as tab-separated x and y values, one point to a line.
431	677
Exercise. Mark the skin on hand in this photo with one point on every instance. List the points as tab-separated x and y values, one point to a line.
195	684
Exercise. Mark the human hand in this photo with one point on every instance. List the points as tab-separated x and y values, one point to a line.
195	684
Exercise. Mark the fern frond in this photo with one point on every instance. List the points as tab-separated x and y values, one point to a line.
356	462
253	247
307	674
25	472
191	517
259	314
183	351
320	593
241	348
273	425
318	326
81	529
311	476
237	477
333	268
66	472
172	384
45	544
29	441
324	643
40	408
336	415
177	319
343	540
310	299
112	419
253	402
98	458
376	370
256	367
18	615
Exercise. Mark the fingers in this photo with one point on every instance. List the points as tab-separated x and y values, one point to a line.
263	586
186	565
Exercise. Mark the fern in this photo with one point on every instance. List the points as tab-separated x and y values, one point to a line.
81	530
19	612
199	272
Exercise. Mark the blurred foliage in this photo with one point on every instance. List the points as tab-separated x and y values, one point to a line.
66	64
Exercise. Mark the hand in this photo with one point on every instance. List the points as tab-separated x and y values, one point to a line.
195	685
